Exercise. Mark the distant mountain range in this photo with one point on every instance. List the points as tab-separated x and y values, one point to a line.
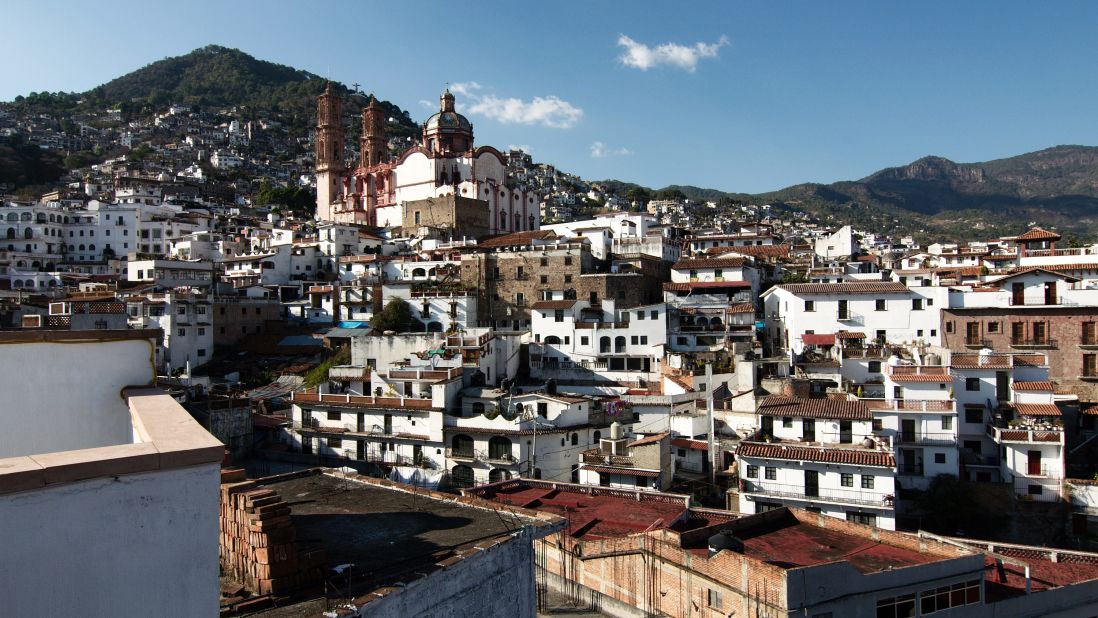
1056	187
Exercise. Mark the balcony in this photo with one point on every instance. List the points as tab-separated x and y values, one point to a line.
977	342
1039	471
349	372
911	405
465	454
598	458
929	438
1033	343
1088	343
868	498
876	352
1024	434
911	469
850	316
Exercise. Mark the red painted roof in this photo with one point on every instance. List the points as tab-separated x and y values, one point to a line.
624	471
517	239
849	456
850	287
849	334
553	304
818	339
840	409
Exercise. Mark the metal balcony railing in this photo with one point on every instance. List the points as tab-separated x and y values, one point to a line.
878	499
1033	342
926	438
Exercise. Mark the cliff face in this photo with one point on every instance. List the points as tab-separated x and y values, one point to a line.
931	169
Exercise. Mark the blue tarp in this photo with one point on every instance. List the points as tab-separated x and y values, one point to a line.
353	324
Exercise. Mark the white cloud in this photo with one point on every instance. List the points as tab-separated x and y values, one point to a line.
426	103
600	150
549	111
523	147
643	57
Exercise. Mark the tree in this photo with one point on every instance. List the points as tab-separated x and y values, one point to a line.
396	316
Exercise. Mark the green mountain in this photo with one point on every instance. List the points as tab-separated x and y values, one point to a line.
935	197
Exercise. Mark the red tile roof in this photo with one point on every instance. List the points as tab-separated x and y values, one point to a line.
1056	268
1044	385
553	304
1091	410
921	377
1016	272
517	239
841	409
851	287
1039	234
693	285
742	308
728	262
652	439
847	456
697	445
629	471
818	339
849	334
1038	409
753	250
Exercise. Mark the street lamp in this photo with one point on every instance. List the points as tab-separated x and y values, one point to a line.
523	413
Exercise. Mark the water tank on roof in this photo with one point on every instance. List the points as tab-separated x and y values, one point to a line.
615	430
724	540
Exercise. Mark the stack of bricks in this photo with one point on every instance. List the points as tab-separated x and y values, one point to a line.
258	539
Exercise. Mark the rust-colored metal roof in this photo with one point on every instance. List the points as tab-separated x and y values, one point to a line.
697	445
517	239
628	471
818	339
652	439
726	262
847	456
841	409
553	304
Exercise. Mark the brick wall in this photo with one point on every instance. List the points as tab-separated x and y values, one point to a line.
258	539
1063	327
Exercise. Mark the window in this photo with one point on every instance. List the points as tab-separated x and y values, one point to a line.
874	366
333	416
846	479
992	327
558	315
934	332
181	310
972	384
947	423
894	607
1090	365
644	339
568	278
877	424
752	471
201	331
949	327
544	261
771	473
585	340
916	304
880	304
1034	490
787	422
182	332
946	597
335	442
713	599
867	481
640	315
543	409
568	260
809	305
1090	335
634	340
939	458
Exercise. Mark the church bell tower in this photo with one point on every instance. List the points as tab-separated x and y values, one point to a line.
329	152
373	147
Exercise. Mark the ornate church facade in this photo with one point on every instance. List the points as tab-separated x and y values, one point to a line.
445	163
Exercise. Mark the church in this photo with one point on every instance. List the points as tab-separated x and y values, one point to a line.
443	186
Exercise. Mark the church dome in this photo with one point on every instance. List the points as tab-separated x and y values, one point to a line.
445	122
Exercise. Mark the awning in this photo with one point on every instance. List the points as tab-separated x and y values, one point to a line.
815	339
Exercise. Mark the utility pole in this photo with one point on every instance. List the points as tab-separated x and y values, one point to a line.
712	451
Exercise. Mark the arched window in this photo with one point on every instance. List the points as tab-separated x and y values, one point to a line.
575	439
552	340
716	324
461	475
13	216
702	321
434	327
499	449
91	247
36	264
81	247
619	344
41	217
461	445
18	283
26	216
419	272
28	233
518	222
11	232
502	220
497	475
531	222
604	345
29	283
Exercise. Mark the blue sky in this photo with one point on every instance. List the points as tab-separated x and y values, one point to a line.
736	96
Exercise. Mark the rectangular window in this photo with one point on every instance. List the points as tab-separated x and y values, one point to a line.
640	315
874	366
201	352
568	278
333	416
182	332
946	597
201	331
752	471
916	304
787	421
713	599
949	327
544	279
771	473
869	520
644	339
877	424
939	458
809	305
335	442
880	304
558	315
947	423
992	327
1090	365
634	340
654	314
974	414
867	481
972	384
894	607
544	261
846	479
1090	335
543	409
585	340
